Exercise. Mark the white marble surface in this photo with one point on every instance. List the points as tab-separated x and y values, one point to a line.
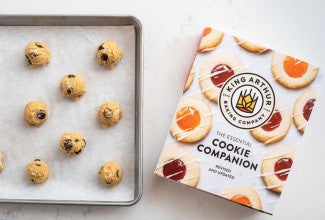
170	28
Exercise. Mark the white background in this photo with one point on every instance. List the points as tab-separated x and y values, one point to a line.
170	31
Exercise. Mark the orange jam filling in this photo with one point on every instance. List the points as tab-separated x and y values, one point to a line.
188	118
294	68
241	200
206	31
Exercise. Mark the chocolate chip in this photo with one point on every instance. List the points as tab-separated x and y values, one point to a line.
33	54
117	173
71	76
104	57
68	144
84	141
108	183
100	47
69	90
40	114
78	152
29	61
108	113
37	160
76	140
32	180
38	45
37	164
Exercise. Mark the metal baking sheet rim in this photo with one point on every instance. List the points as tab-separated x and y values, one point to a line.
30	20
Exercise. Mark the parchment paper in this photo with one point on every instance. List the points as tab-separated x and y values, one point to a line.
73	50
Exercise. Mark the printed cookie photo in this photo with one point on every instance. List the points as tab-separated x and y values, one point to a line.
189	80
210	39
215	71
276	167
291	72
276	128
178	164
192	121
243	195
251	47
303	108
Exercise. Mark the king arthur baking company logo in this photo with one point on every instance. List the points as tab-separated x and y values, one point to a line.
247	100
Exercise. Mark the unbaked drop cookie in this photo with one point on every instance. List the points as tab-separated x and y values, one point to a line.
109	54
37	171
72	143
73	86
109	114
110	174
37	54
35	113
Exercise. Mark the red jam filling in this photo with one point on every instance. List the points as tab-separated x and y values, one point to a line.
274	122
308	108
282	164
241	200
225	72
175	169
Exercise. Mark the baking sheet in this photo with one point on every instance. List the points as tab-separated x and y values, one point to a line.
73	51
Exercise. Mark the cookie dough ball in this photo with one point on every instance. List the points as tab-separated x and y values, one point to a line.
35	113
73	86
110	174
109	114
72	143
37	54
109	54
37	171
1	164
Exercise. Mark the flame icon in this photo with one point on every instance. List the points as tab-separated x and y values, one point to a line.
246	102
